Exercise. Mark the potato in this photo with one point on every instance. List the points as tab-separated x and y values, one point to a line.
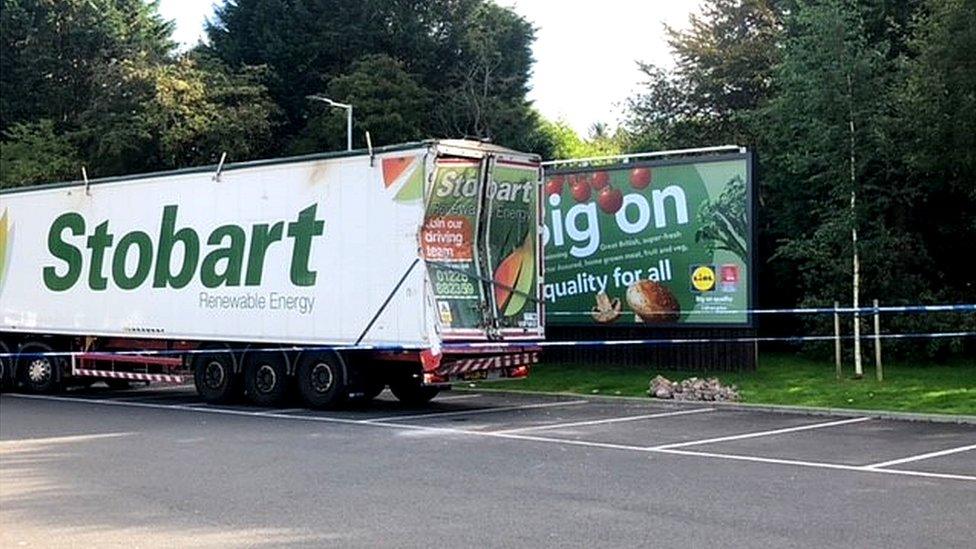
652	302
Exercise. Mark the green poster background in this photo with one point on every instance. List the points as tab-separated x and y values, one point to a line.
513	241
674	250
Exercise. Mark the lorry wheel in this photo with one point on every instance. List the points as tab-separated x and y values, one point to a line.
214	377
39	374
6	368
412	393
265	378
321	379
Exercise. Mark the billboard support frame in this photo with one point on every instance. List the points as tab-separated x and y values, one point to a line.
626	158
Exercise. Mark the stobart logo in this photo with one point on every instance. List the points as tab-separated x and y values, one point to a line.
464	183
231	256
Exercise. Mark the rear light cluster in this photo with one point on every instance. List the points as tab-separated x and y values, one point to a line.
519	371
430	379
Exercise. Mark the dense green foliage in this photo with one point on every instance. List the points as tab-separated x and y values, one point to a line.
839	97
422	68
97	83
100	83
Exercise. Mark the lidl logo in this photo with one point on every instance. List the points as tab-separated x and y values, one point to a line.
702	278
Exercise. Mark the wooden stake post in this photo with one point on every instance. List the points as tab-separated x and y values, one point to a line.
877	342
837	339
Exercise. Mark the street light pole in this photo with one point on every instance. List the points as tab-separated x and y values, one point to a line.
348	127
336	104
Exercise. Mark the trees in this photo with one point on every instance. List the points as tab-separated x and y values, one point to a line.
563	142
723	73
842	99
828	114
483	95
96	83
183	113
104	74
33	152
469	60
933	123
388	103
51	52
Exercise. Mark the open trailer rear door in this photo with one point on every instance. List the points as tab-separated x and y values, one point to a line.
450	247
511	246
481	244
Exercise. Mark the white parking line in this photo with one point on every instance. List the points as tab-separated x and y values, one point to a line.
761	433
6	445
141	398
184	408
515	436
816	464
920	457
477	411
693	453
605	421
457	397
285	411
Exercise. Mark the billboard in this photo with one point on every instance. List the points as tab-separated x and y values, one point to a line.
667	243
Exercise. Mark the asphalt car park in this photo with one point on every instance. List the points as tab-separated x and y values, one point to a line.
475	468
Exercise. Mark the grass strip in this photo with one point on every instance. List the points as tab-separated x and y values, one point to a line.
909	386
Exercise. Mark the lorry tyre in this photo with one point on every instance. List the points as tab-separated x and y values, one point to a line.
39	374
321	379
6	368
266	378
215	378
412	393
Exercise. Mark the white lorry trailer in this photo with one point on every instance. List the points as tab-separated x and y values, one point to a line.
410	266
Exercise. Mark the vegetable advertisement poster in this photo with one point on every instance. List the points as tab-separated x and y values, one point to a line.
662	243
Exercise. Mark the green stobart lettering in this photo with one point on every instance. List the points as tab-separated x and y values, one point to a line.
231	256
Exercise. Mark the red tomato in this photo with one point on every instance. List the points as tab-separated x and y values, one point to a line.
555	185
640	178
581	190
610	200
600	180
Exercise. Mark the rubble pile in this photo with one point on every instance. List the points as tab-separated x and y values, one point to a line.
693	388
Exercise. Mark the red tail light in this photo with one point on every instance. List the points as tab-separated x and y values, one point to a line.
430	360
518	371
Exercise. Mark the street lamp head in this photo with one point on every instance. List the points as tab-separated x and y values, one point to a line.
322	98
327	101
331	103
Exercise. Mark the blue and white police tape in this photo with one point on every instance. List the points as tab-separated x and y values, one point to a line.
489	346
700	340
950	308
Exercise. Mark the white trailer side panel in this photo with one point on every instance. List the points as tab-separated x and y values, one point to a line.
360	227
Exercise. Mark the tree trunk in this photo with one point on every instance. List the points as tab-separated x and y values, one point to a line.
858	371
